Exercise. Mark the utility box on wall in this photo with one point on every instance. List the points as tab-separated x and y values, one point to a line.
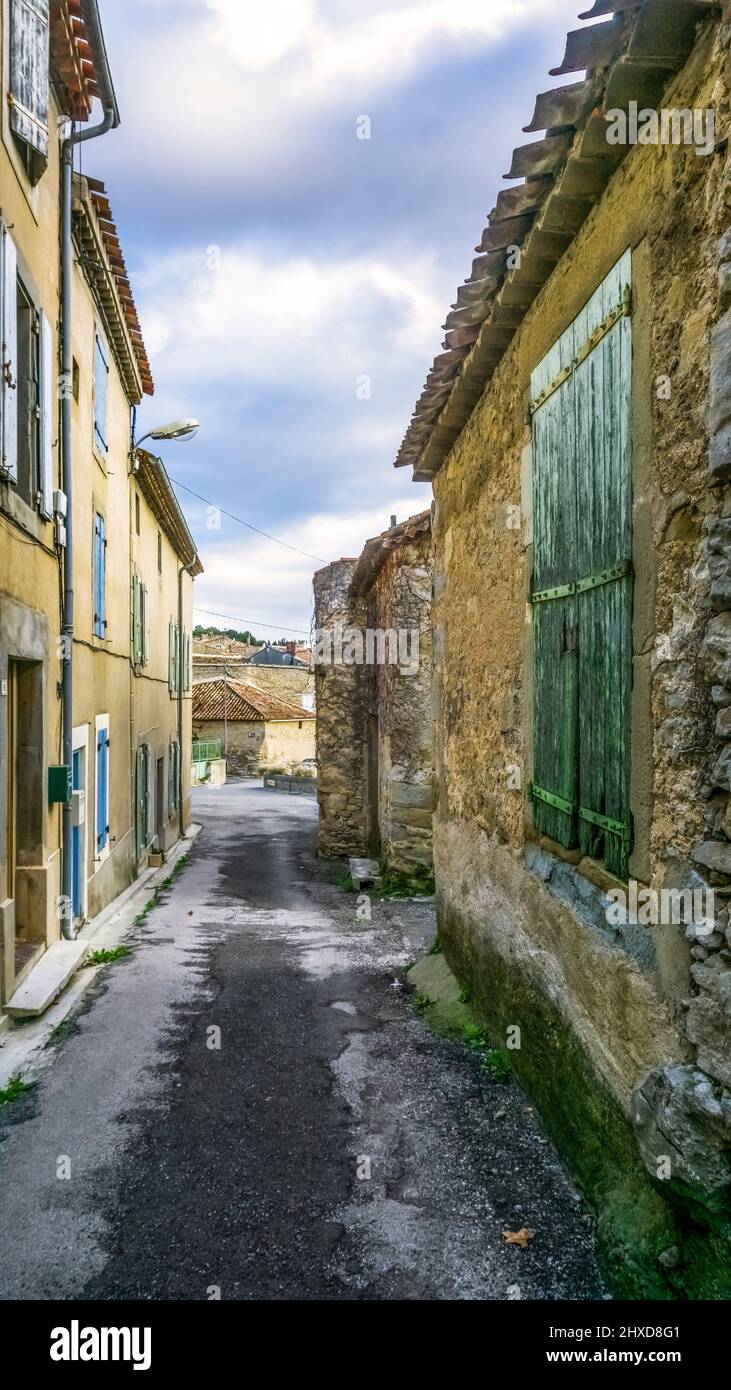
59	786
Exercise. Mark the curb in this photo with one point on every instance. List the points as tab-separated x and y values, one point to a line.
23	1049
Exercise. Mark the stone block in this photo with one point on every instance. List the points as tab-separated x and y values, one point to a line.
720	454
723	723
714	854
721	775
415	818
720	397
675	1116
716	651
709	1027
406	794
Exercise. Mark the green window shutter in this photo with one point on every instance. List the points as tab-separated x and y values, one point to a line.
604	469
145	624
171	657
136	620
171	780
140	793
556	686
583	547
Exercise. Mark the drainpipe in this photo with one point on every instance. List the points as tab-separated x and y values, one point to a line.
110	122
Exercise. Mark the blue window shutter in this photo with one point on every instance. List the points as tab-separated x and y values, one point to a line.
95	578
101	382
100	577
103	576
102	759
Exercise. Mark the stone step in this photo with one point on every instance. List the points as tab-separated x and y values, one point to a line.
47	979
365	873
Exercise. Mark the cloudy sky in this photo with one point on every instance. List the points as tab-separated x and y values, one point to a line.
291	277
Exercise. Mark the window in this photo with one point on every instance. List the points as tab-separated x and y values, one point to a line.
27	418
9	364
179	679
101	391
173	777
28	97
582	582
159	552
137	513
101	821
173	656
100	576
140	622
28	389
75	380
143	799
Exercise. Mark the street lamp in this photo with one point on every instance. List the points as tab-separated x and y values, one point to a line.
177	429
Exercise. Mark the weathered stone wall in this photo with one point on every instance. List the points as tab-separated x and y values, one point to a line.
400	601
374	720
244	741
624	1041
289	683
342	714
251	746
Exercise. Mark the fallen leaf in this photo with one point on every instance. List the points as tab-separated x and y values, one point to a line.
521	1238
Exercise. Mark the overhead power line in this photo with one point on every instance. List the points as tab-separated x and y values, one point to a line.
248	525
250	623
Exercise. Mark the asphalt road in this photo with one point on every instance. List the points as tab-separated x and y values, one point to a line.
248	1107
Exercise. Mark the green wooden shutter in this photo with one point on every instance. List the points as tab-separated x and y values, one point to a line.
172	656
136	620
144	624
604	469
583	548
555	748
140	795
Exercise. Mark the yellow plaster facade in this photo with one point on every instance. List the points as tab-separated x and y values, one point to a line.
120	704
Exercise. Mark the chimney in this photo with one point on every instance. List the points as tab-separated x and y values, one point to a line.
393	522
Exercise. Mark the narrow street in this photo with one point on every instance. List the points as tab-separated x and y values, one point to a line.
151	1163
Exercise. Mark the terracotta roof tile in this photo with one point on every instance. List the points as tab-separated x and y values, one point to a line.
631	55
241	702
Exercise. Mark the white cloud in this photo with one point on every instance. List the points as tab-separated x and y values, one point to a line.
370	43
292	321
254	579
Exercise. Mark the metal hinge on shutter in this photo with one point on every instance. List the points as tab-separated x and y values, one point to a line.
623	310
571	808
582	586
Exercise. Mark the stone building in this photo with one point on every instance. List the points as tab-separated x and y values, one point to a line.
286	673
256	730
374	723
577	429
